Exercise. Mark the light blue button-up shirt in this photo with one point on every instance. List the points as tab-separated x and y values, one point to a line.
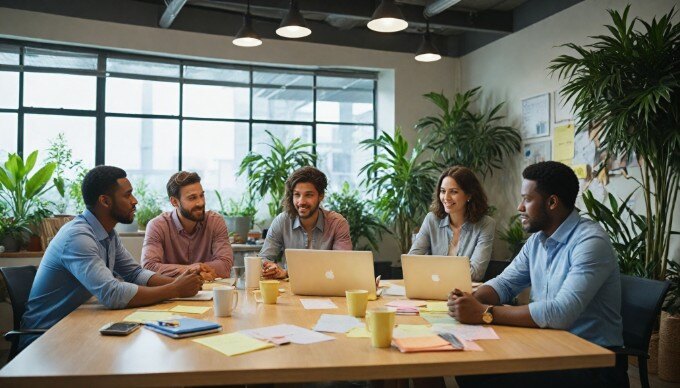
82	260
574	279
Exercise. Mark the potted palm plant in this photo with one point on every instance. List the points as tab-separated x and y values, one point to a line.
267	174
628	84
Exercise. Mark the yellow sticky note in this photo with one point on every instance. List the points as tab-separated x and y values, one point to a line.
581	170
404	331
233	343
141	316
359	332
190	309
437	307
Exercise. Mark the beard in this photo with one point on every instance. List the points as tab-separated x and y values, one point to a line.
537	223
188	214
312	211
122	216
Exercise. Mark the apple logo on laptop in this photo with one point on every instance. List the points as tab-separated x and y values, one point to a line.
330	275
435	278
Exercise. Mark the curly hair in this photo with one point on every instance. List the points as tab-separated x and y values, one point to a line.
306	174
554	178
101	180
179	180
478	205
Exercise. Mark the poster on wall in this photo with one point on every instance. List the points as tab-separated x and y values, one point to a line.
563	143
536	116
537	152
562	108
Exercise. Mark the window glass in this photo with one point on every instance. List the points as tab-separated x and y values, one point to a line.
59	59
217	74
216	102
282	78
141	96
344	100
9	55
340	154
8	135
128	66
67	91
283	104
9	86
285	133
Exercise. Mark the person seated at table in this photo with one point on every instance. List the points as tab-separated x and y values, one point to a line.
571	267
303	224
457	224
86	258
187	237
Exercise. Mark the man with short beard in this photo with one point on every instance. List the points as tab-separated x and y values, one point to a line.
86	257
188	237
303	224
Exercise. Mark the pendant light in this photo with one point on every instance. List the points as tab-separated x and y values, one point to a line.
293	24
387	18
246	36
427	52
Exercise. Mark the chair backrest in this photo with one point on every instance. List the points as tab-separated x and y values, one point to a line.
495	268
641	301
19	281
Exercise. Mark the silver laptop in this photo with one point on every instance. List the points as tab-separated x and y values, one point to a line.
434	277
330	273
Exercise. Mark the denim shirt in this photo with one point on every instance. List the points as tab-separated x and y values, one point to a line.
331	232
82	260
574	279
475	241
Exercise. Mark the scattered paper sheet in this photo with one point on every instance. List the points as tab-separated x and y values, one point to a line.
395	290
295	334
334	323
359	332
468	332
318	304
406	331
437	318
233	343
431	343
437	307
384	283
406	303
202	295
141	316
190	309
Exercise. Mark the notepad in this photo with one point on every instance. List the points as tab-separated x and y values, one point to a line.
434	318
406	331
233	344
186	327
436	307
295	334
318	304
141	316
432	343
334	323
190	309
359	332
201	295
468	332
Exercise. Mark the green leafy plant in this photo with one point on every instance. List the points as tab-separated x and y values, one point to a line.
514	235
363	223
672	304
627	84
245	207
14	228
149	204
459	136
401	182
267	174
19	189
61	154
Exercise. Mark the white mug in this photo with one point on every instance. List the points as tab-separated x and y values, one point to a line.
225	300
253	271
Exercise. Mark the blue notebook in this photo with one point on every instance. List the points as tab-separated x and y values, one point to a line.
187	327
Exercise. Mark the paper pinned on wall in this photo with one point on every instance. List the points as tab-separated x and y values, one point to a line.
563	143
581	170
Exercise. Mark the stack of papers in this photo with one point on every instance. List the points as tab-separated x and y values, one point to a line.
318	304
434	318
141	316
408	331
407	307
436	307
395	290
432	343
287	333
467	332
190	309
333	323
233	343
183	327
359	332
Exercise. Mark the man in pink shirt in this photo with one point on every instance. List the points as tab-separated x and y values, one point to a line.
187	237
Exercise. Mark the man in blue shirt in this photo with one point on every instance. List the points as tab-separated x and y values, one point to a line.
571	267
86	257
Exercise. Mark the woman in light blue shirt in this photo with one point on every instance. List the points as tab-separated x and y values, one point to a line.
457	224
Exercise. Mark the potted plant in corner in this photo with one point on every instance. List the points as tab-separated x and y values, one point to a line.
239	216
149	205
628	84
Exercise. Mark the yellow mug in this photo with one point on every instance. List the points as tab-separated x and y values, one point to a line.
356	302
269	290
380	322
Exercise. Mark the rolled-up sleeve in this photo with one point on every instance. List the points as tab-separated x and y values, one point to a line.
592	263
81	257
479	260
127	268
342	241
515	278
422	243
222	254
273	243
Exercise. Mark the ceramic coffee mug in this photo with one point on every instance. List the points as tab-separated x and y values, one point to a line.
225	300
269	290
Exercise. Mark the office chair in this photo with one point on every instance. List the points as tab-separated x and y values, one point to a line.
494	269
19	281
641	301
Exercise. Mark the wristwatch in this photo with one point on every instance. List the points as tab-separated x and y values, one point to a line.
487	315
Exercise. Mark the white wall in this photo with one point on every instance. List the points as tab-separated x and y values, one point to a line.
402	80
514	67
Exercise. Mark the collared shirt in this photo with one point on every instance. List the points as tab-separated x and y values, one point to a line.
475	241
168	248
330	233
82	260
574	279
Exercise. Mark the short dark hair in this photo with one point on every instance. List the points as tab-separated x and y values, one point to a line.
306	174
101	180
179	180
554	178
468	182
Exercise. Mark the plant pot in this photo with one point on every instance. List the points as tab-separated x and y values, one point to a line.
34	244
10	243
239	225
669	347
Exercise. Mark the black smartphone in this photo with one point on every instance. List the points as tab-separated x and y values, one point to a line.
119	328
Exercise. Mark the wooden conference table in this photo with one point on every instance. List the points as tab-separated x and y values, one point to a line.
74	353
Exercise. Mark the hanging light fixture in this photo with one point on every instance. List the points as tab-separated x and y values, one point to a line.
387	18
293	24
246	36
427	52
